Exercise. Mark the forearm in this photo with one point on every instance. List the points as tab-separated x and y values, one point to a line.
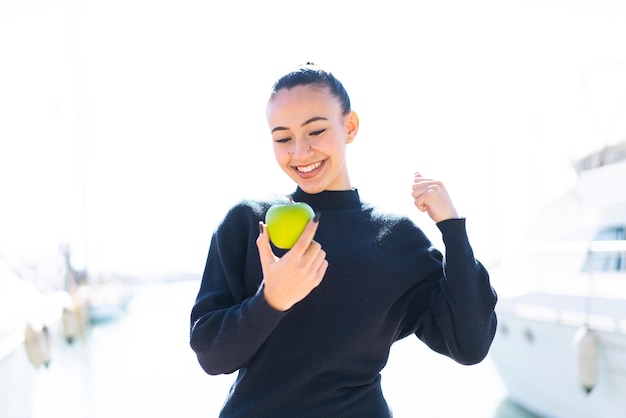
467	299
467	280
225	340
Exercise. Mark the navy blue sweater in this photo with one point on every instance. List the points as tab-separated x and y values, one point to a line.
323	357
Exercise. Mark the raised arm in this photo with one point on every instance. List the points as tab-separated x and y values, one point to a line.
462	321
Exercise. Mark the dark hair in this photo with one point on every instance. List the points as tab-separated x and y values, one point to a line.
310	74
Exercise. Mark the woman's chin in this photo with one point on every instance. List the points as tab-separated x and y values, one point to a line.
310	187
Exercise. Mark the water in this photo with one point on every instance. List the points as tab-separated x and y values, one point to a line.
142	366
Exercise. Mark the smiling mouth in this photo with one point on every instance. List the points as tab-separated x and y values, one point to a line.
309	168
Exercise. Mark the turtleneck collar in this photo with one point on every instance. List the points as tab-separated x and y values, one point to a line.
329	199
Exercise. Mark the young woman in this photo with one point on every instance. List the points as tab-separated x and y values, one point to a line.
309	329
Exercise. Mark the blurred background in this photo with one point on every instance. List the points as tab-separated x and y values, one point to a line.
128	128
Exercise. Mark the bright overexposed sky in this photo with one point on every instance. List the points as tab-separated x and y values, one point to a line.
127	128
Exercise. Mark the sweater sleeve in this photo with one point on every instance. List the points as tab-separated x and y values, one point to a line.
230	319
461	322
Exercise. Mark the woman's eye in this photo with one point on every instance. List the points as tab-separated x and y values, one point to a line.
319	132
282	140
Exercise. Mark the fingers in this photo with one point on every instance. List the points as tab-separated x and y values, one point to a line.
307	235
431	196
320	264
263	244
423	188
313	253
418	192
421	200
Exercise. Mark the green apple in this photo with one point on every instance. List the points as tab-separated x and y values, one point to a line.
286	222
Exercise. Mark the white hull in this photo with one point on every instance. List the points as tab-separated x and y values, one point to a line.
535	354
26	317
18	383
569	279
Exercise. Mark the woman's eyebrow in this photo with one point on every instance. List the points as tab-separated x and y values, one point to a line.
313	119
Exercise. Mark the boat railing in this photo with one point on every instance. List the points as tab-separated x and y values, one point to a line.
595	246
607	246
582	256
597	266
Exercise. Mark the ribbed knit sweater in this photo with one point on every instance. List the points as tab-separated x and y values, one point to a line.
323	357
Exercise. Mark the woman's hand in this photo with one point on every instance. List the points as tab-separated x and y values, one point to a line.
289	279
432	197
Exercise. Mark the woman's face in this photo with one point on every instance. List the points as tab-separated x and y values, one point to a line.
310	135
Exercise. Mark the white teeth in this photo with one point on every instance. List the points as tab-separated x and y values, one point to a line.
309	168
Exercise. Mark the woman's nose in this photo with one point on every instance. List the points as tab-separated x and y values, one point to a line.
301	149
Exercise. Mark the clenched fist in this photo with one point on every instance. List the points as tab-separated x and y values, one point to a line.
432	197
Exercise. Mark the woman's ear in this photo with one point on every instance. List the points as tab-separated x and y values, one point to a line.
352	125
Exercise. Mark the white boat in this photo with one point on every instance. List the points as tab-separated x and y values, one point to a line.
26	319
561	343
94	299
107	301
